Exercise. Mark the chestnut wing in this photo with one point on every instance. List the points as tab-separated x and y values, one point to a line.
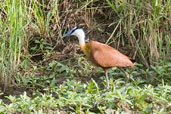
106	56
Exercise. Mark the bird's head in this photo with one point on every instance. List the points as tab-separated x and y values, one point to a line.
78	32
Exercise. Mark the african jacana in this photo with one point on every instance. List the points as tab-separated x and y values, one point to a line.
100	54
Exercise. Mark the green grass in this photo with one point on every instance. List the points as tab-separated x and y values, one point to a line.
144	93
74	96
12	32
58	79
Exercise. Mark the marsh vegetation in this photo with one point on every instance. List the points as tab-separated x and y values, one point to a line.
40	72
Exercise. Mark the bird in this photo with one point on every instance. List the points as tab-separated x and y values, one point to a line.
101	55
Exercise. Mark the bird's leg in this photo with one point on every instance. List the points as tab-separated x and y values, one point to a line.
107	79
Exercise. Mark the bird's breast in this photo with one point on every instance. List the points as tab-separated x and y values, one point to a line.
88	51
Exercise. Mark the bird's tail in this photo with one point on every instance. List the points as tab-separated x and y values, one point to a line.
133	61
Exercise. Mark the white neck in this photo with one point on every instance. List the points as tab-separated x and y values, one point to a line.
81	36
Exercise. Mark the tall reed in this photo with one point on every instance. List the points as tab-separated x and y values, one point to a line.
145	25
13	19
19	20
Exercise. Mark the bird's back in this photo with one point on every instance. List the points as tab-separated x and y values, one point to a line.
106	56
